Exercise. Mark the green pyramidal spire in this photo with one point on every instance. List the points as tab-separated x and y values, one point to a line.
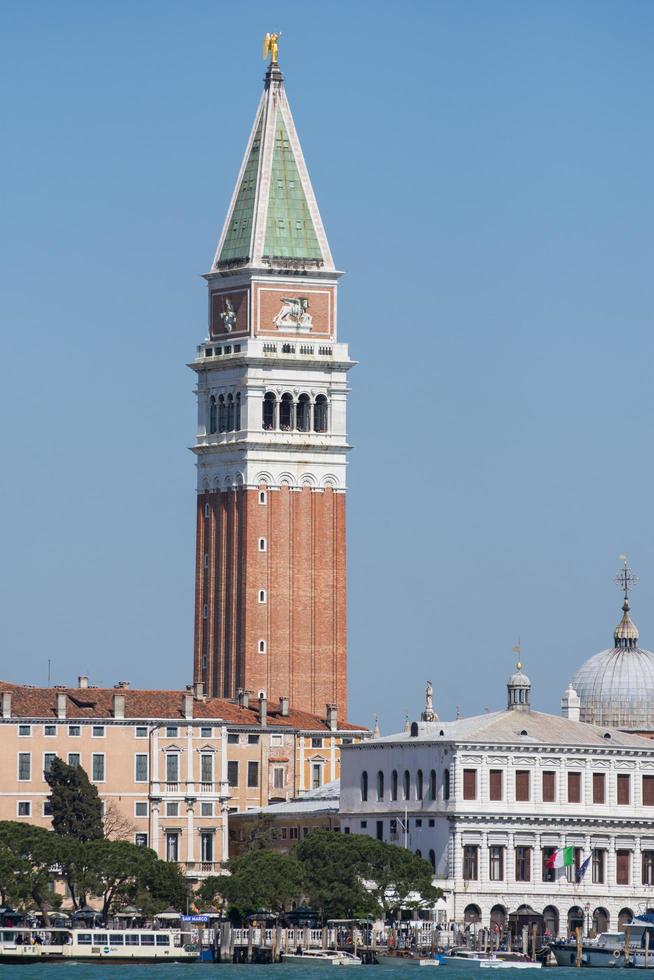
273	218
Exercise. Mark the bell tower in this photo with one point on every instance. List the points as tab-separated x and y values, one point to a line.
271	440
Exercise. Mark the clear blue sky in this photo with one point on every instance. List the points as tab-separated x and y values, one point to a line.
484	171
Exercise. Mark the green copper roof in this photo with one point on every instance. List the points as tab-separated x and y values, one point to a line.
237	240
289	228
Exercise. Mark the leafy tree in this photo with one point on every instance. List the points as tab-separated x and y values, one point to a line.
260	879
262	833
210	893
160	884
76	806
353	875
334	873
27	855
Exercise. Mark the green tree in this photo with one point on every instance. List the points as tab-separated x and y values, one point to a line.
27	856
160	884
76	806
259	879
354	875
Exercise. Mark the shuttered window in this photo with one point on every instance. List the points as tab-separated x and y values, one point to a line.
496	784
574	787
622	865
549	787
599	787
648	790
623	789
469	784
522	789
523	864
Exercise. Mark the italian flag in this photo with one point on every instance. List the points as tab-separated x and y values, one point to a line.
563	857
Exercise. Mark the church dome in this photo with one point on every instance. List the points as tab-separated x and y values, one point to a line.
616	686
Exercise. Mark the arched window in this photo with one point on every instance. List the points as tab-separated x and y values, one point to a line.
394	784
498	918
364	786
230	413
222	415
268	411
286	413
380	785
446	784
418	853
471	913
551	920
432	860
432	785
212	414
600	920
320	414
419	785
624	917
407	784
303	414
237	417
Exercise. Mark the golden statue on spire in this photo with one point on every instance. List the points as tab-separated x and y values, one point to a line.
271	46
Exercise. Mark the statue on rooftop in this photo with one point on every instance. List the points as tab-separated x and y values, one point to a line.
271	46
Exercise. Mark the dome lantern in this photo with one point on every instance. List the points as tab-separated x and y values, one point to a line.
518	688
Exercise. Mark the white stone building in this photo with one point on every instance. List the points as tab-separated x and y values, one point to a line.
488	799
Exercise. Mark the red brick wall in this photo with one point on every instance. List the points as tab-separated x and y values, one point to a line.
302	571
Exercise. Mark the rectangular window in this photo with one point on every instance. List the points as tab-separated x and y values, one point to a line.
172	731
548	874
206	731
24	766
206	768
574	787
232	738
599	866
549	787
470	862
49	730
253	739
496	788
141	731
469	784
206	809
624	794
140	768
599	787
496	863
147	939
74	759
48	759
522	791
648	868
172	767
253	774
622	867
380	830
278	777
293	833
74	730
316	775
172	847
316	743
98	767
648	790
172	809
97	731
47	809
277	740
162	940
24	730
523	863
24	808
140	809
141	840
206	846
232	773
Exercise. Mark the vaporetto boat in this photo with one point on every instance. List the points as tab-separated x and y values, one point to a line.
21	945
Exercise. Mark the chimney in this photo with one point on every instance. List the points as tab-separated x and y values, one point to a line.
198	691
332	719
61	705
122	685
243	699
83	681
6	704
283	707
119	705
571	704
263	710
187	705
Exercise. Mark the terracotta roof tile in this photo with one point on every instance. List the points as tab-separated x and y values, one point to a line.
97	702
